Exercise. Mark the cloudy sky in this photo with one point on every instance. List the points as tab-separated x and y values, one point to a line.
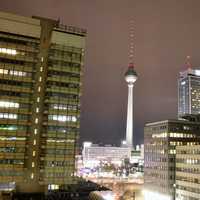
165	33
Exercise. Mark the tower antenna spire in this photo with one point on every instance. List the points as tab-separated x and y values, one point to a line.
188	63
131	45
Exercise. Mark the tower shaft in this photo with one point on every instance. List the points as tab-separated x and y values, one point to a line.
129	123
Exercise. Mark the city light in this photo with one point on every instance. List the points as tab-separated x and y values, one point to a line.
149	195
197	72
63	118
8	104
8	116
8	51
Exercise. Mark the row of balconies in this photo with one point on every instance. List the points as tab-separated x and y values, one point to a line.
64	59
65	90
6	179
14	167
59	123
19	57
15	110
64	79
16	99
16	67
16	78
63	112
66	48
20	38
14	88
11	155
18	47
53	134
58	158
61	100
12	133
59	68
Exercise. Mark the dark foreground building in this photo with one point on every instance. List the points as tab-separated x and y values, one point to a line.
41	64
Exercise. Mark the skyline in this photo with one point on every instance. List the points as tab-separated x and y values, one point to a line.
166	32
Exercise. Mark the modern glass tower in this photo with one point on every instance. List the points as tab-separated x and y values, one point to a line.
40	86
189	92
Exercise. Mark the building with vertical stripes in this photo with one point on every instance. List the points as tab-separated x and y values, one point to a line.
41	64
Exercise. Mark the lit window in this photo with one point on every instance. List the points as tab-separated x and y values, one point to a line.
62	118
13	138
37	110
34	142
33	164
40	79
42	59
3	71
8	51
8	116
32	175
33	153
38	99
17	73
7	104
35	131
39	88
41	69
36	120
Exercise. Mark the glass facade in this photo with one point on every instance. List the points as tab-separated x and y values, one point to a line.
160	142
189	92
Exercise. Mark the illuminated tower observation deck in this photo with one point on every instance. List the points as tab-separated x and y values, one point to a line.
130	77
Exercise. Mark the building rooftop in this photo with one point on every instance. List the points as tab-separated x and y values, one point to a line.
172	121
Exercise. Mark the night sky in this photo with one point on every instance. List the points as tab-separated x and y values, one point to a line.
166	32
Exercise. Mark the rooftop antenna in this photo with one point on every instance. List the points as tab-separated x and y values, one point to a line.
188	63
131	50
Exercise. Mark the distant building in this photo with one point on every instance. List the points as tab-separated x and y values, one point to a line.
137	155
40	87
94	154
160	141
189	92
187	172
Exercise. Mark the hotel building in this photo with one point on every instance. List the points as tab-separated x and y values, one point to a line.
41	64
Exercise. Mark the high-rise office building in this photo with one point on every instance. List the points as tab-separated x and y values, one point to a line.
187	172
160	141
189	92
40	87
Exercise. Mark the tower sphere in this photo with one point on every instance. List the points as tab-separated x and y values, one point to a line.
131	75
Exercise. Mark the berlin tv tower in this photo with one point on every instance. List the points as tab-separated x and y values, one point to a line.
130	77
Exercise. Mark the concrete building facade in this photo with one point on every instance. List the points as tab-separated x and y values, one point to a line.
40	86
